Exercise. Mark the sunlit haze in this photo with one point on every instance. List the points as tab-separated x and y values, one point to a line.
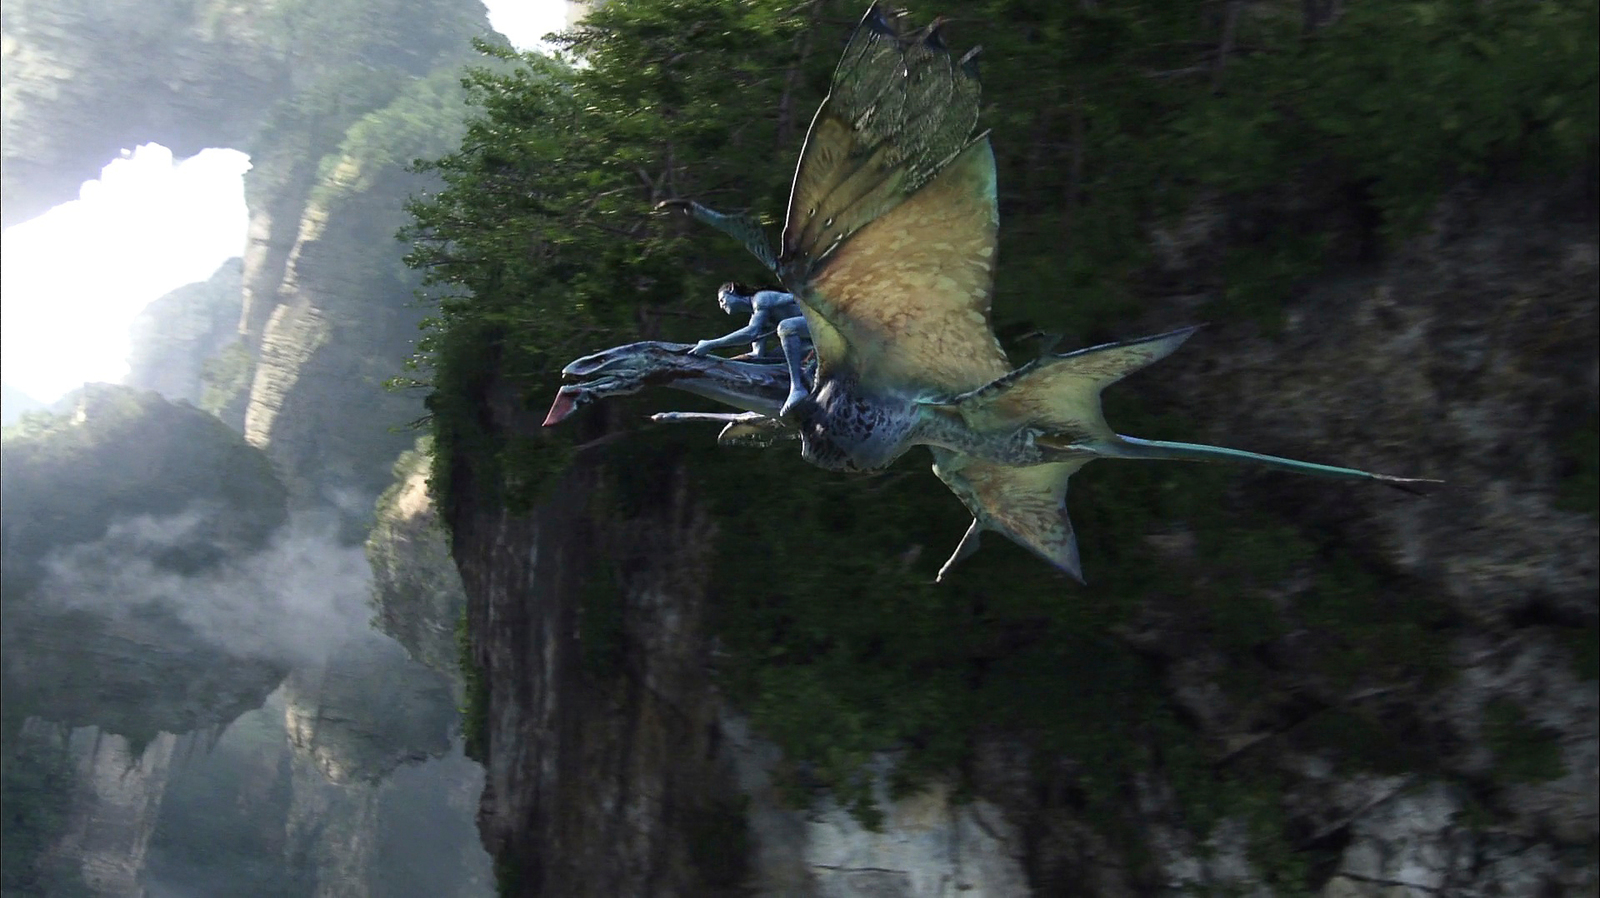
523	22
74	278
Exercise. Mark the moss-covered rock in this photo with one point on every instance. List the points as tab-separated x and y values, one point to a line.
417	596
176	337
123	453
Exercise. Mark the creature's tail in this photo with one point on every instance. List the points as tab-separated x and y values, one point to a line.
1059	395
1029	505
1130	447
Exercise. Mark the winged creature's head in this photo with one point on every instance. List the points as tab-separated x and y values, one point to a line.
628	369
618	371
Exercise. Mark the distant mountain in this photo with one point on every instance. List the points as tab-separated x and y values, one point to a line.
14	404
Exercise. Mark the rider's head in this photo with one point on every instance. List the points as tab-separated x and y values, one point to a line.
735	298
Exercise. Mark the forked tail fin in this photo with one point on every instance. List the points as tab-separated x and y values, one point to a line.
1028	505
1060	394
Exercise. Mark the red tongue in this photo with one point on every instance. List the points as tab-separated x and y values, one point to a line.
561	408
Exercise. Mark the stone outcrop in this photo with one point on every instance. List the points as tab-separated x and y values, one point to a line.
367	710
121	454
416	591
181	343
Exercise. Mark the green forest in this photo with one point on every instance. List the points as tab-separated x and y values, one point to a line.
1321	133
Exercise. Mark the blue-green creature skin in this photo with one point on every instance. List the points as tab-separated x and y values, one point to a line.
888	252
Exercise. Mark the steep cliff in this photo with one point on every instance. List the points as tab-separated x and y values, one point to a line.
1433	731
173	338
367	710
331	101
1268	686
416	590
290	345
248	813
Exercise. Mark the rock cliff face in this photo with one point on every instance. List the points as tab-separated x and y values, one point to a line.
416	591
248	813
367	710
1467	354
338	330
331	101
175	336
607	770
118	799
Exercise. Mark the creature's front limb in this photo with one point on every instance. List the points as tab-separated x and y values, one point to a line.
1130	447
743	429
742	228
796	339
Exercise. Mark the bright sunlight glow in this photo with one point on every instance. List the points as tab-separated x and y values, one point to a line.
524	22
74	278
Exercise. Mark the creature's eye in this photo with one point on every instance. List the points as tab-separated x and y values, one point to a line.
828	223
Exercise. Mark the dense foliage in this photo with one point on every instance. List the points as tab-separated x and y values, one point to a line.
1317	142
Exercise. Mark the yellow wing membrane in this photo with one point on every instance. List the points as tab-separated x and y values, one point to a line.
891	233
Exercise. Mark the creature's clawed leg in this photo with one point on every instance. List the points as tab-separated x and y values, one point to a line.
968	545
796	340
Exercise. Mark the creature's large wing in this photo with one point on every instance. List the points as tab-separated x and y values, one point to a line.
890	237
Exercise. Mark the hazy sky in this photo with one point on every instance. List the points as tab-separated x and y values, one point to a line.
74	278
523	22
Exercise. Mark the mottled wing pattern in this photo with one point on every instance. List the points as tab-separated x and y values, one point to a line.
892	224
909	293
898	110
1029	505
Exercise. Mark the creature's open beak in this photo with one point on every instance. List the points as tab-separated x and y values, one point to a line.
566	403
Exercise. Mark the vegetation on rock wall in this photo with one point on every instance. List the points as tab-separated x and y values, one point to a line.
1310	143
225	380
416	591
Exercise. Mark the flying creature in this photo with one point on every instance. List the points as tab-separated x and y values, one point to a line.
888	253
